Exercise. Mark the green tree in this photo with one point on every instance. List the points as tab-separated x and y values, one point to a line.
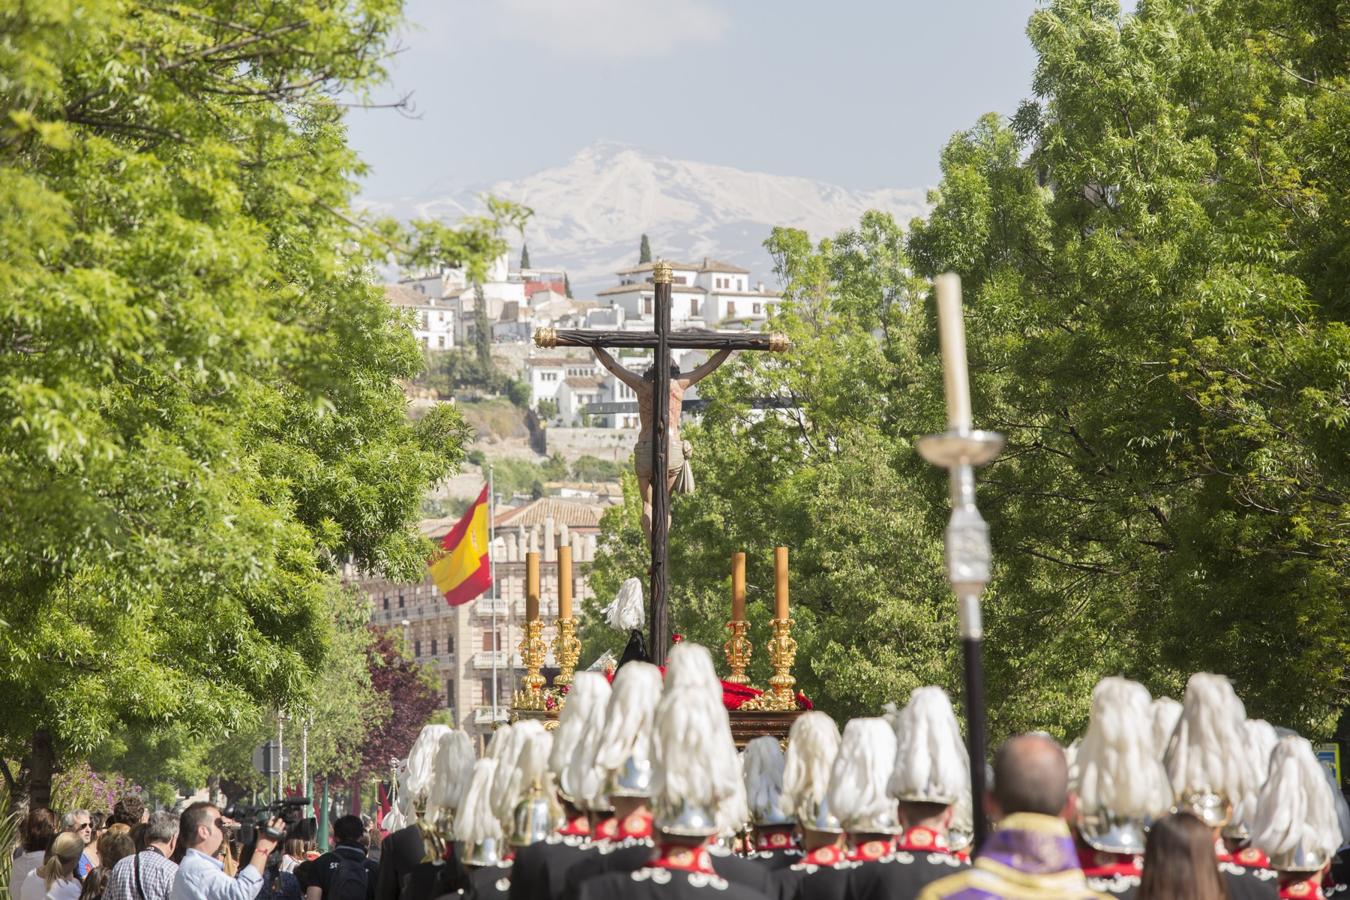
1153	257
644	251
567	286
482	329
200	382
524	256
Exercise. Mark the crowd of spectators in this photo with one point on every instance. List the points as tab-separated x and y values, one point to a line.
194	854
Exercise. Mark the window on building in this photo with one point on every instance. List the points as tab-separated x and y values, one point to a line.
442	340
755	308
488	641
646	306
731	309
449	644
433	647
740	284
450	695
400	601
693	307
417	649
386	601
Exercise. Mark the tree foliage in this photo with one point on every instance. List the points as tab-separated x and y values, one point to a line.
644	251
199	381
1153	256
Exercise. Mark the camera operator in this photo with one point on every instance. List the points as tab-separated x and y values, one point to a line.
345	872
200	875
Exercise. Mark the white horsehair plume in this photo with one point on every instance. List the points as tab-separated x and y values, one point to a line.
763	765
626	612
582	780
813	742
931	764
1118	767
589	690
857	793
734	812
629	716
1166	714
693	753
422	761
1071	760
510	784
476	822
1261	741
1206	749
453	769
497	745
1296	808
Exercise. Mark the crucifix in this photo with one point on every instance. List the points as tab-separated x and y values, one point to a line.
661	340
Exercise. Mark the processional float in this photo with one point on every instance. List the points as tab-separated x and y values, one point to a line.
753	712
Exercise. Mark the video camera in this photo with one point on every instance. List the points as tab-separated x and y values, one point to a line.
258	819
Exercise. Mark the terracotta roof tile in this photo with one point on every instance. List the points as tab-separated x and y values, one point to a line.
564	512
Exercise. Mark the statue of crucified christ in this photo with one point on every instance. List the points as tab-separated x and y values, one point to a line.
643	385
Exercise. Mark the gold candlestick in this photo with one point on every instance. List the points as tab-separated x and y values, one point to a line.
566	650
737	648
782	654
532	654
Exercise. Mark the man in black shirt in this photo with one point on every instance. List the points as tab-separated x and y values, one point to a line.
345	872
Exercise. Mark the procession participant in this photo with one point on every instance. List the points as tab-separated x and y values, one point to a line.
1121	787
625	758
1208	768
1261	741
480	832
1295	822
775	845
696	772
406	871
522	778
1030	854
930	778
857	796
540	870
813	743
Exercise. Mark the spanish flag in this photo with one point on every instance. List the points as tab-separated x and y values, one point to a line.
463	571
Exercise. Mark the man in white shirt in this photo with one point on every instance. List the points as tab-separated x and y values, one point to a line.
147	875
200	875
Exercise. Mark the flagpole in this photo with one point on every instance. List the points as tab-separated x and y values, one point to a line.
492	573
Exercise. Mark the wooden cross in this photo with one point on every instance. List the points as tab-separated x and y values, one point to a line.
662	340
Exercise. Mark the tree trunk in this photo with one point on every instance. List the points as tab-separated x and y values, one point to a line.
38	766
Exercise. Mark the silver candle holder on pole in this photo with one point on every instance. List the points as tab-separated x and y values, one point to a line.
960	449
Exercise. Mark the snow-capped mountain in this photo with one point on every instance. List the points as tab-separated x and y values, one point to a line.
590	213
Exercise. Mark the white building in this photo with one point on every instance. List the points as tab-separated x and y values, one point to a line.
575	394
546	374
712	294
433	316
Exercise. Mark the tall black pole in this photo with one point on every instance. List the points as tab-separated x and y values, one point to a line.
662	277
975	738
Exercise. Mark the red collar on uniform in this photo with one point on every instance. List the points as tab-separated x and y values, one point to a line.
922	840
578	826
871	851
682	858
829	856
1251	858
607	830
1101	864
1295	888
635	827
774	840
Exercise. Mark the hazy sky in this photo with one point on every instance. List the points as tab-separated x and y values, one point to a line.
861	94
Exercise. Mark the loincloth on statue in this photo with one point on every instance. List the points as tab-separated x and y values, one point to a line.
677	463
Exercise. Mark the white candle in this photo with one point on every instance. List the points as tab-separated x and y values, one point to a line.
952	335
